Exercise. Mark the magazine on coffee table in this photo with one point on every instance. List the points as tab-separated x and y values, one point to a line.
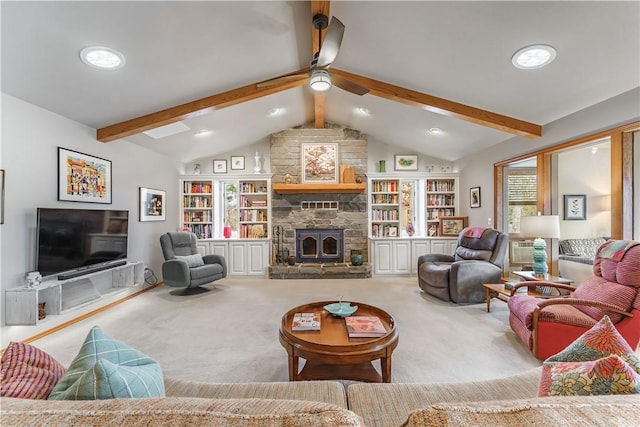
364	326
306	322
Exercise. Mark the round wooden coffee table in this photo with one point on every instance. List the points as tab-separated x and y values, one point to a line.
330	353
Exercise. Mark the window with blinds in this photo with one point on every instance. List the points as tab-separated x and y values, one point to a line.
522	195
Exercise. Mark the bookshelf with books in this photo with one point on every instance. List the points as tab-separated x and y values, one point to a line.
384	201
197	207
441	198
230	216
253	211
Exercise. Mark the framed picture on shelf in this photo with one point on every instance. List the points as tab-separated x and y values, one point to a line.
219	166
474	195
319	163
405	162
452	225
152	204
575	207
237	162
83	178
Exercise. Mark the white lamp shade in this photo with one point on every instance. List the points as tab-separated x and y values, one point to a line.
542	226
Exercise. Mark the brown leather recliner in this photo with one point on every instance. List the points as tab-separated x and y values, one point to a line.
478	259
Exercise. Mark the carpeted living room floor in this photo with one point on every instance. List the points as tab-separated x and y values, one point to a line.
230	333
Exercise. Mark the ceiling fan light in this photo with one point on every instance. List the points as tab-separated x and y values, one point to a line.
320	80
535	56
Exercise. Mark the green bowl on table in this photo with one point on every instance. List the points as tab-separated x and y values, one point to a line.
341	309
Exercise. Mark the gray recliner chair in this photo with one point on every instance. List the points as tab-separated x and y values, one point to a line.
478	259
184	266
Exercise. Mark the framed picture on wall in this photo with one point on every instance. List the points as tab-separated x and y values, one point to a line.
237	162
152	204
219	166
575	207
405	162
474	195
83	178
319	163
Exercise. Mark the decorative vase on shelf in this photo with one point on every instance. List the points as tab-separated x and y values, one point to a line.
383	167
227	230
410	229
291	260
257	167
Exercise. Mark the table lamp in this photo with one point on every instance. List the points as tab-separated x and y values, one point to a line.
540	227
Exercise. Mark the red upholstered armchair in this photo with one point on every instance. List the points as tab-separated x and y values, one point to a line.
547	326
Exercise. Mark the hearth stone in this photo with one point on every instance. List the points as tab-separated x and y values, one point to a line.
320	271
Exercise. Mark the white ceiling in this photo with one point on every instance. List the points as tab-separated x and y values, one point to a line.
177	52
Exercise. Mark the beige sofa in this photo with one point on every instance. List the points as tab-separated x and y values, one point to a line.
500	402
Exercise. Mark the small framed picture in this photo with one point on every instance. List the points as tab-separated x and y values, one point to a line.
219	166
405	162
575	207
474	195
237	162
452	225
152	204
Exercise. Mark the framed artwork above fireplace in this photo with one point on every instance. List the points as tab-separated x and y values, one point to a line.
319	163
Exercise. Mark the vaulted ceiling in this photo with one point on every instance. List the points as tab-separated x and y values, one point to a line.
426	64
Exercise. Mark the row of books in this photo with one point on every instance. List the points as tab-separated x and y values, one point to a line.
357	326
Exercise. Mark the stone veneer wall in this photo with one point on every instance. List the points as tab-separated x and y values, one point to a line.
351	215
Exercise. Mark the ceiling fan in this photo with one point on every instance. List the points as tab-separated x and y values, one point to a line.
320	78
319	71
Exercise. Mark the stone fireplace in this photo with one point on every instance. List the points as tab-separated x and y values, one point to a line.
319	245
346	213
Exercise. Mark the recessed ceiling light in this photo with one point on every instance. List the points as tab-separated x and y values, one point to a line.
363	111
435	131
203	132
102	58
534	56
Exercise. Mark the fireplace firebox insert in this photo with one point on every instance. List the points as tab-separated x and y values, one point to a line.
319	245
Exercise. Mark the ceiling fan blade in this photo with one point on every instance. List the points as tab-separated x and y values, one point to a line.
348	85
284	79
331	43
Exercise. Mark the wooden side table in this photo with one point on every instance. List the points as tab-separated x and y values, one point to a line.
499	291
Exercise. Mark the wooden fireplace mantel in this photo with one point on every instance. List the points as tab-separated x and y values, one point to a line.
318	188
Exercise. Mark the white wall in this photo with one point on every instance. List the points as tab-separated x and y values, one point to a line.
30	140
477	170
595	184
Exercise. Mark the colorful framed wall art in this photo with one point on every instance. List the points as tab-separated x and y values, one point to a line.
83	178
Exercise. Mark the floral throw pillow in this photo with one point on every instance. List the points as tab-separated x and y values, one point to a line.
609	375
600	361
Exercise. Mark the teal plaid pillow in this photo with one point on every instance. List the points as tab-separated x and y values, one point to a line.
106	369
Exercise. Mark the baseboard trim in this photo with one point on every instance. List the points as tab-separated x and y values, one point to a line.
87	315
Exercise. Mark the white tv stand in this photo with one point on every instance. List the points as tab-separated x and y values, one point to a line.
61	296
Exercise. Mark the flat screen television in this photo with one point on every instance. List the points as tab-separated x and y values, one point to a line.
73	242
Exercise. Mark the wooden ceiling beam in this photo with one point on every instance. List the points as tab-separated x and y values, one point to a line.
196	108
444	106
